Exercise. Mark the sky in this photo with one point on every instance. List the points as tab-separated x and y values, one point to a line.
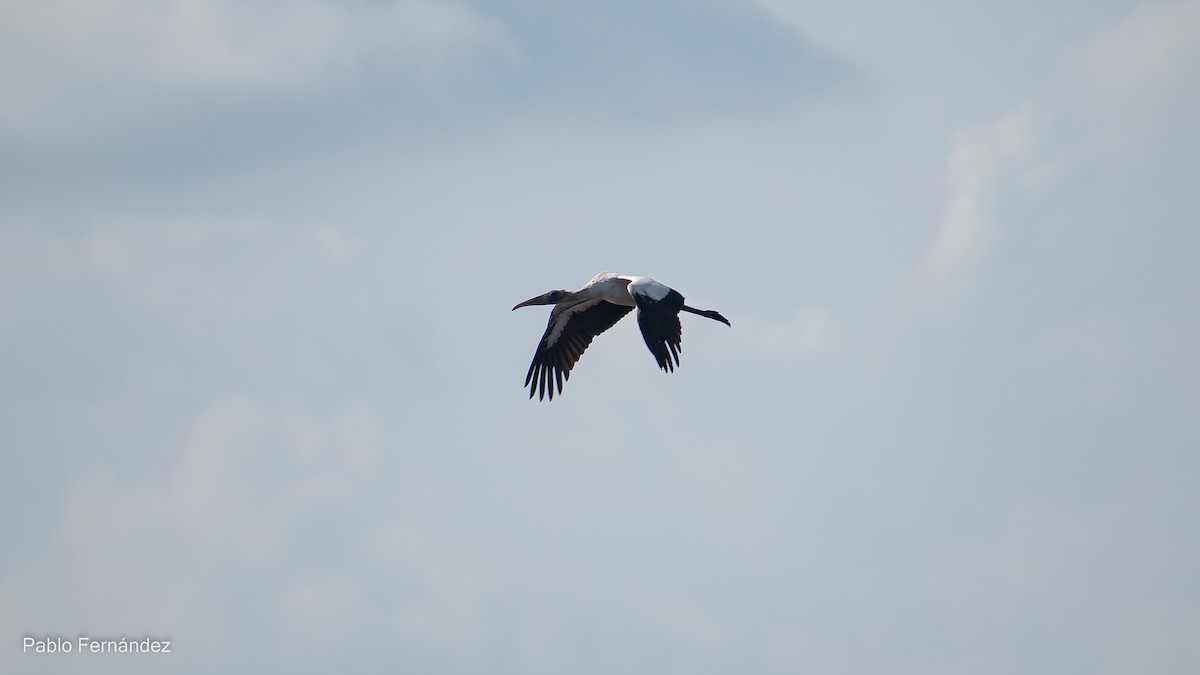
261	387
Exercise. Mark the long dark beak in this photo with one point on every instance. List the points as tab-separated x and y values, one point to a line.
543	299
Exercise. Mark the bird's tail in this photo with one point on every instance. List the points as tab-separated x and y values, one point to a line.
708	313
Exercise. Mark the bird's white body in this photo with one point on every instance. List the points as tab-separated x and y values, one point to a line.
578	316
619	289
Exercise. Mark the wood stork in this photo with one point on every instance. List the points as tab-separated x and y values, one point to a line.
578	316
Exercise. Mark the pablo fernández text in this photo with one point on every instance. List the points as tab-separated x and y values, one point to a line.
86	644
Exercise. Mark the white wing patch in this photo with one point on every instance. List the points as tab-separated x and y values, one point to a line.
645	286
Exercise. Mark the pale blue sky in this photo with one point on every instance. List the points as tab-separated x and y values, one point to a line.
261	387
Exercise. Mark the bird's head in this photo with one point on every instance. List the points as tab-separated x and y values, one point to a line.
551	298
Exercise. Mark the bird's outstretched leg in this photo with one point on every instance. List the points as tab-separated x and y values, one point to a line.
708	313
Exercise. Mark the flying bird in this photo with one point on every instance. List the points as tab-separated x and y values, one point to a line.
578	316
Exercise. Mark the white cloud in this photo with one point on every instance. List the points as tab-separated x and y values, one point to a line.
54	52
976	157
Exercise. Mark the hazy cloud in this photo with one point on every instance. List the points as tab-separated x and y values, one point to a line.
64	62
809	331
965	230
1155	42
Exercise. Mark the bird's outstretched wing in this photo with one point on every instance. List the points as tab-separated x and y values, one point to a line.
568	334
659	322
